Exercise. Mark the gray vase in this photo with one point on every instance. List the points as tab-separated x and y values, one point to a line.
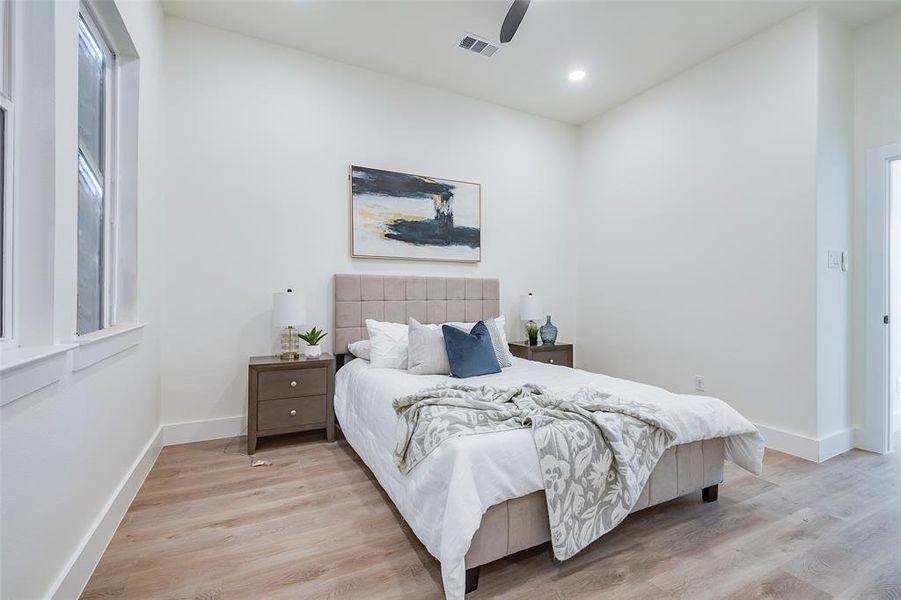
548	332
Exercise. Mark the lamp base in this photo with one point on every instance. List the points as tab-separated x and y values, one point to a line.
290	349
533	337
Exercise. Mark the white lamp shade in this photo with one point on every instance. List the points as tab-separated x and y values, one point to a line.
288	309
530	308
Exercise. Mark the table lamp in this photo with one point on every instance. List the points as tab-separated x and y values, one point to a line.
530	310
288	310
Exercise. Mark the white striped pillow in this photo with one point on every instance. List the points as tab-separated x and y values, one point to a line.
496	329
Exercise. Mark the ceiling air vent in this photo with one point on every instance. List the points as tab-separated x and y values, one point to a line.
474	43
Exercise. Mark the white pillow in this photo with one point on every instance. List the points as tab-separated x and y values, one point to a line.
498	338
388	344
361	349
426	354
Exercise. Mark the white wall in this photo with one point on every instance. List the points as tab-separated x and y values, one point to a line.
877	122
683	228
834	183
699	232
260	140
67	448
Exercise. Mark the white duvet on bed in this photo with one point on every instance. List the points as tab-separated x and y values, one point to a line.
444	497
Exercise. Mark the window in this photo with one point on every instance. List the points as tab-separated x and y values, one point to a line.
95	189
3	233
6	154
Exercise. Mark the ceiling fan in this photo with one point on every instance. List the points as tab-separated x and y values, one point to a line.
513	19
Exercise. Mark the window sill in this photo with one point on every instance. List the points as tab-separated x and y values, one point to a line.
94	347
26	370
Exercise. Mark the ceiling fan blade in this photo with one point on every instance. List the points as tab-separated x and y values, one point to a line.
513	19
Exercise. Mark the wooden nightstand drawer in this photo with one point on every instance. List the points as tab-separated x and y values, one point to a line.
291	412
292	383
553	357
284	396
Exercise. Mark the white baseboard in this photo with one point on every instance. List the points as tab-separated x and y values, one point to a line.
816	450
836	443
201	431
77	573
790	443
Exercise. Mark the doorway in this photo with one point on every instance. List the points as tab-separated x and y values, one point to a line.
894	202
883	310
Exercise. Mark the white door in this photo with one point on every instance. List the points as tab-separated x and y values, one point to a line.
883	329
894	202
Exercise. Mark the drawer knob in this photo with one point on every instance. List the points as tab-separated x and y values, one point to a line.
552	361
293	384
293	413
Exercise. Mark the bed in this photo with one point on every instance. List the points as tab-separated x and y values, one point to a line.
479	498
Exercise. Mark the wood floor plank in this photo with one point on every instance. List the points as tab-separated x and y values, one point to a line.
834	565
315	524
881	581
775	586
739	563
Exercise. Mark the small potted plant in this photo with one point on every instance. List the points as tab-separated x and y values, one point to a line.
532	332
312	338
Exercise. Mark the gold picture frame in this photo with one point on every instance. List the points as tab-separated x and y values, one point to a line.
391	218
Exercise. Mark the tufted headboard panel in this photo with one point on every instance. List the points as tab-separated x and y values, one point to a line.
396	299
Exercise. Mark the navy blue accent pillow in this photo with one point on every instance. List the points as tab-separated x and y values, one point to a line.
470	354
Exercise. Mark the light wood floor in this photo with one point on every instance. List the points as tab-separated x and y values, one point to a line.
316	525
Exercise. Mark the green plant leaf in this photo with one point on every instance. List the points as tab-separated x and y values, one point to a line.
313	336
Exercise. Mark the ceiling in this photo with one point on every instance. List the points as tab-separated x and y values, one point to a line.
624	47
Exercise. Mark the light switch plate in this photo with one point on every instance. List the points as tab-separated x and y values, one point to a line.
834	259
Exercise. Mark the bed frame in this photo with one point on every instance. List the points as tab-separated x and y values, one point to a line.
519	523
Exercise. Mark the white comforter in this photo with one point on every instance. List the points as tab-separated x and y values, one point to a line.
444	497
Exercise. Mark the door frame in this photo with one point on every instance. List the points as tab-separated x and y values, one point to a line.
878	426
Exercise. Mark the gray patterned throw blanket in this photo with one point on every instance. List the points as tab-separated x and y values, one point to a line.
596	451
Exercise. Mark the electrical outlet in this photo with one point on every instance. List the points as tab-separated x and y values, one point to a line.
699	383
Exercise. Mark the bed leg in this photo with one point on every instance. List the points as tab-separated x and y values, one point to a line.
711	494
472	579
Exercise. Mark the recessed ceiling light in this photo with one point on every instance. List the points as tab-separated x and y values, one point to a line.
577	75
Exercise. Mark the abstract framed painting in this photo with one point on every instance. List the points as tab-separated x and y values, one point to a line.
414	217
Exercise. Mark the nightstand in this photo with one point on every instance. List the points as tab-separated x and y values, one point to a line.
554	354
284	396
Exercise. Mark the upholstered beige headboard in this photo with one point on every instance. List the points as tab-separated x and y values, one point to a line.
396	299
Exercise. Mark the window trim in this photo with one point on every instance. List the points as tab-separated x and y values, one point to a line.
26	370
94	347
109	166
7	81
8	215
7	202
